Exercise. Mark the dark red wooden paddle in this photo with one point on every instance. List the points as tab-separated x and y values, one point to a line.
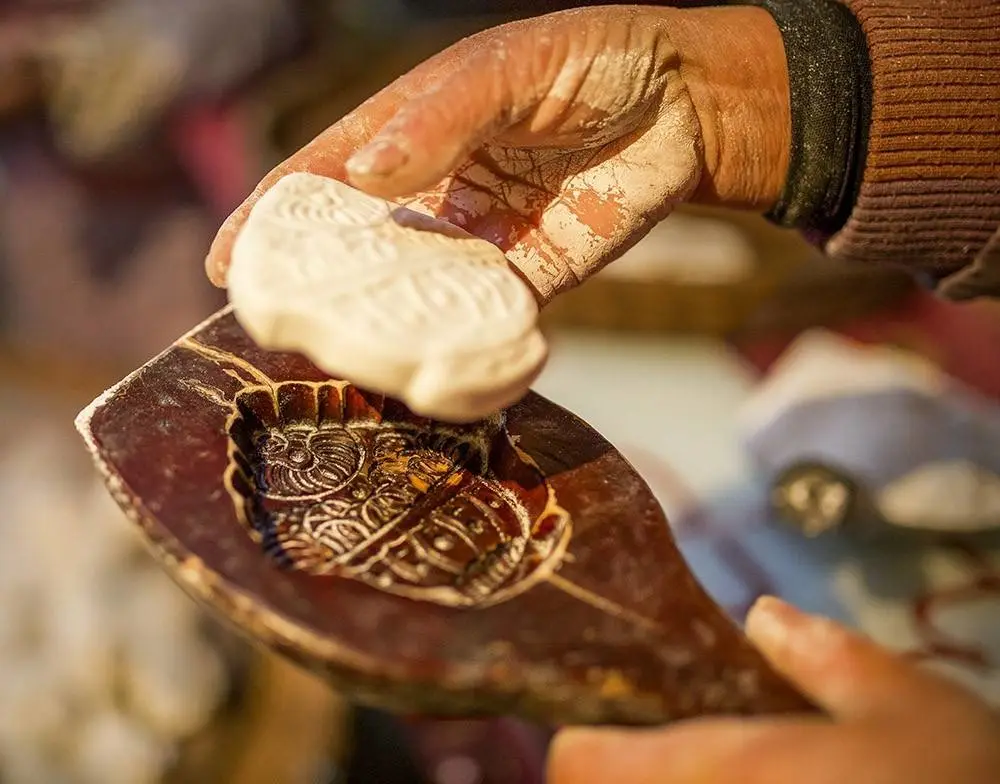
514	566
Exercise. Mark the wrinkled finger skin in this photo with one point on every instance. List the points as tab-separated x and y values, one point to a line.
890	722
563	139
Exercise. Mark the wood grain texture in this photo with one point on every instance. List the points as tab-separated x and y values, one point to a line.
618	631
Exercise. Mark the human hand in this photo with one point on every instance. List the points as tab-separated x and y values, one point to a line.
563	139
891	722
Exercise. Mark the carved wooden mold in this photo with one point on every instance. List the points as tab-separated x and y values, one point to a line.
328	486
514	565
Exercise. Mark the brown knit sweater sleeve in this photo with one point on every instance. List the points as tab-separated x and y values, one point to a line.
930	189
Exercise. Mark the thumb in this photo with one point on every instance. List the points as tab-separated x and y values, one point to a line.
845	673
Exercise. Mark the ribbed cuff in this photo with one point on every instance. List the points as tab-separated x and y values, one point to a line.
930	192
830	101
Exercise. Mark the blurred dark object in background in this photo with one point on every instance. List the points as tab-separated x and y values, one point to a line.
98	265
487	751
121	148
381	751
825	293
392	750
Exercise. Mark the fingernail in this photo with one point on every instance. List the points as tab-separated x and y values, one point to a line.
771	620
378	158
779	628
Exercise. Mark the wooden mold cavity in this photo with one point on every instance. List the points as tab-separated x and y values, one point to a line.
335	481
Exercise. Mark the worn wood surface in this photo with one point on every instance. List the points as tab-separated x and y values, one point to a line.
563	598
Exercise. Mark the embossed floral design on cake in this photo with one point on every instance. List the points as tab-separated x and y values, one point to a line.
331	484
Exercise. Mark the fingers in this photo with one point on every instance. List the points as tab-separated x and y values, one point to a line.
908	725
776	752
697	752
415	132
416	144
552	88
843	672
434	132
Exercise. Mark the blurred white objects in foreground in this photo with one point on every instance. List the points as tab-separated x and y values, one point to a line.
105	665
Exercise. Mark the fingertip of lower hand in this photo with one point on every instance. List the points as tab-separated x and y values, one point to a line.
842	670
779	628
770	621
811	651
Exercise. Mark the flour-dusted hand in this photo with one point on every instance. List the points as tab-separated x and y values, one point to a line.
564	138
892	722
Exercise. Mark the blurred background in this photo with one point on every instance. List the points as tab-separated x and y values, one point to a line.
130	128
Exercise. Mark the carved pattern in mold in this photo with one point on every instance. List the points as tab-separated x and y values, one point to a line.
328	486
